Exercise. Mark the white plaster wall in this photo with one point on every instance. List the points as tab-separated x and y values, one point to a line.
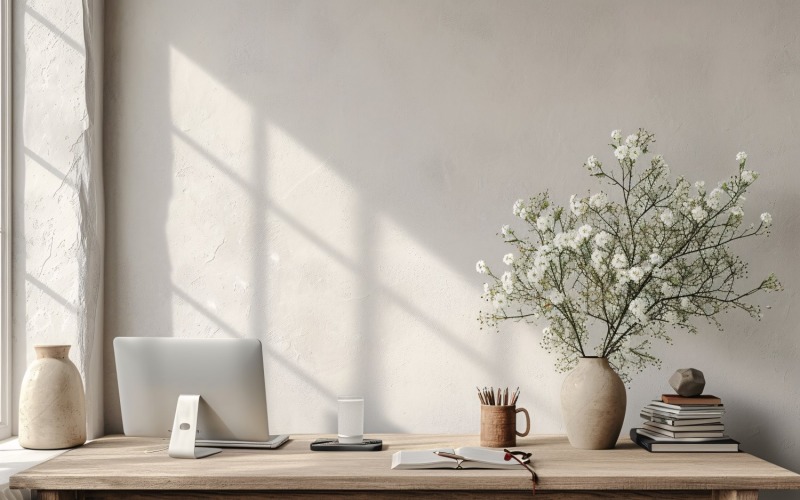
324	175
58	212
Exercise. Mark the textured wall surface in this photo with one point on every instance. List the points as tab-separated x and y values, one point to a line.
58	212
324	176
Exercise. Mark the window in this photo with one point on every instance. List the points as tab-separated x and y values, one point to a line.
5	218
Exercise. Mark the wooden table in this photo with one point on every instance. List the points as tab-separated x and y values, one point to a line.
118	466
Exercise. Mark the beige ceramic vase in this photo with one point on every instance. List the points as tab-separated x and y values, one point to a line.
593	403
52	410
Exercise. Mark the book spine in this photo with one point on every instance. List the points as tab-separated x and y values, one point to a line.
660	420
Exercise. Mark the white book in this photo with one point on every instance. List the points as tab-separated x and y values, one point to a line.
660	410
684	433
687	408
666	439
678	421
685	428
471	458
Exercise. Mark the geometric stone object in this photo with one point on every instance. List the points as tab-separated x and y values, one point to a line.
688	382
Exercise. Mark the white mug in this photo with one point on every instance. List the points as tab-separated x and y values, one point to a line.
351	419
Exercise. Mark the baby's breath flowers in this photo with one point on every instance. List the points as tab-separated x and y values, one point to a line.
607	274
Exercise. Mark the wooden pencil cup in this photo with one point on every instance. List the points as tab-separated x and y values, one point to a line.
499	425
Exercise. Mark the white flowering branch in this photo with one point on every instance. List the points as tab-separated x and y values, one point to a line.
626	269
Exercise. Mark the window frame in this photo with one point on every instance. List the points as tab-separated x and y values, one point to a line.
6	103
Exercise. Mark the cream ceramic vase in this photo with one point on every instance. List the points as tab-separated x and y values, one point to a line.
593	403
52	410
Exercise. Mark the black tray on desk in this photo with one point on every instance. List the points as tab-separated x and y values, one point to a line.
324	444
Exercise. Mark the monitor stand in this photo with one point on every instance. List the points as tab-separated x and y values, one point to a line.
184	430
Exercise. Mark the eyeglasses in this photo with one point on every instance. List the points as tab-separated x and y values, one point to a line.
524	461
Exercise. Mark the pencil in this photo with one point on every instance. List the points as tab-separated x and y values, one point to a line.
479	396
501	397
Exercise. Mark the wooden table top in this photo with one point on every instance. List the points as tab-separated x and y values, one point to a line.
120	463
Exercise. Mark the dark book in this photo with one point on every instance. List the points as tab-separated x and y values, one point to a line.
703	400
678	421
677	446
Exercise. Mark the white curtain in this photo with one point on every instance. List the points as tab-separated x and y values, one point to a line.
58	215
89	182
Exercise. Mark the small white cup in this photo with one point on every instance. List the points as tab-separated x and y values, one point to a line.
351	419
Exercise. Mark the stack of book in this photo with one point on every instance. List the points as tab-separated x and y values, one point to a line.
684	424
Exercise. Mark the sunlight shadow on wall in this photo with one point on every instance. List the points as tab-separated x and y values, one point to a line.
269	351
55	30
51	293
266	203
63	176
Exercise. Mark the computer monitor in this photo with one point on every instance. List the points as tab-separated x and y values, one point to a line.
226	374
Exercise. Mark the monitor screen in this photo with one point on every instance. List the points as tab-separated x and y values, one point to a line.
227	374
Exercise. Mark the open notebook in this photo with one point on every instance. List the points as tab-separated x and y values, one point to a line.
473	458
